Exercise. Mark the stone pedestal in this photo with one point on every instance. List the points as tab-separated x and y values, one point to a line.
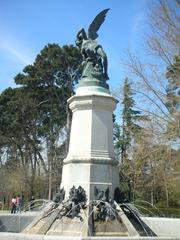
90	161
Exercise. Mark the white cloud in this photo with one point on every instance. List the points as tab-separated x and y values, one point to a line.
136	33
137	24
15	53
14	56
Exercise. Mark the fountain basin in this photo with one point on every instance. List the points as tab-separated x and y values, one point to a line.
20	236
163	227
16	222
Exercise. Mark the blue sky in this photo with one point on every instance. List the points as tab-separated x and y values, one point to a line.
27	26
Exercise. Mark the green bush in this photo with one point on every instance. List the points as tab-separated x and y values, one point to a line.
171	212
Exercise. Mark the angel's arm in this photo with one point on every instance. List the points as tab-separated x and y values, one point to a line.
82	33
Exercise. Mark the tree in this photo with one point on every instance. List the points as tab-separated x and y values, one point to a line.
50	80
173	99
33	116
162	44
157	88
173	87
130	118
53	75
156	167
125	138
16	129
163	40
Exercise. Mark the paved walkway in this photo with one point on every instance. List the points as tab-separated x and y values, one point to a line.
6	212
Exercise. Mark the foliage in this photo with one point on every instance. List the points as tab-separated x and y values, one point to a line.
173	99
173	88
154	155
129	130
34	116
33	122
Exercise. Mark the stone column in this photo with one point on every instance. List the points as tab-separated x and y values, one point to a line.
90	161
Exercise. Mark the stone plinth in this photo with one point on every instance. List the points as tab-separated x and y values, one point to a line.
90	161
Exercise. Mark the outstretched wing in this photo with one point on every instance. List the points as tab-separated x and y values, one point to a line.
95	25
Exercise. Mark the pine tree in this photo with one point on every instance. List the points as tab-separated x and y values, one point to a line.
125	136
130	117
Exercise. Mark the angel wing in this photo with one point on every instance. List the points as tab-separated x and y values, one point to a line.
96	23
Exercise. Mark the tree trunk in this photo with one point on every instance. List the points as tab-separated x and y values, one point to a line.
51	148
167	195
152	193
50	179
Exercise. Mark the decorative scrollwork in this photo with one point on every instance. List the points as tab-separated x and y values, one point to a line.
76	201
104	208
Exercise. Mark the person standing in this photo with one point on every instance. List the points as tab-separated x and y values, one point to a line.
13	205
18	204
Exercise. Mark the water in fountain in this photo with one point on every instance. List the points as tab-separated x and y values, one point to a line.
38	205
91	220
155	211
134	216
75	217
149	212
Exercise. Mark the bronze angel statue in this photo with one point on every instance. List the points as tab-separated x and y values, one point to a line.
94	58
